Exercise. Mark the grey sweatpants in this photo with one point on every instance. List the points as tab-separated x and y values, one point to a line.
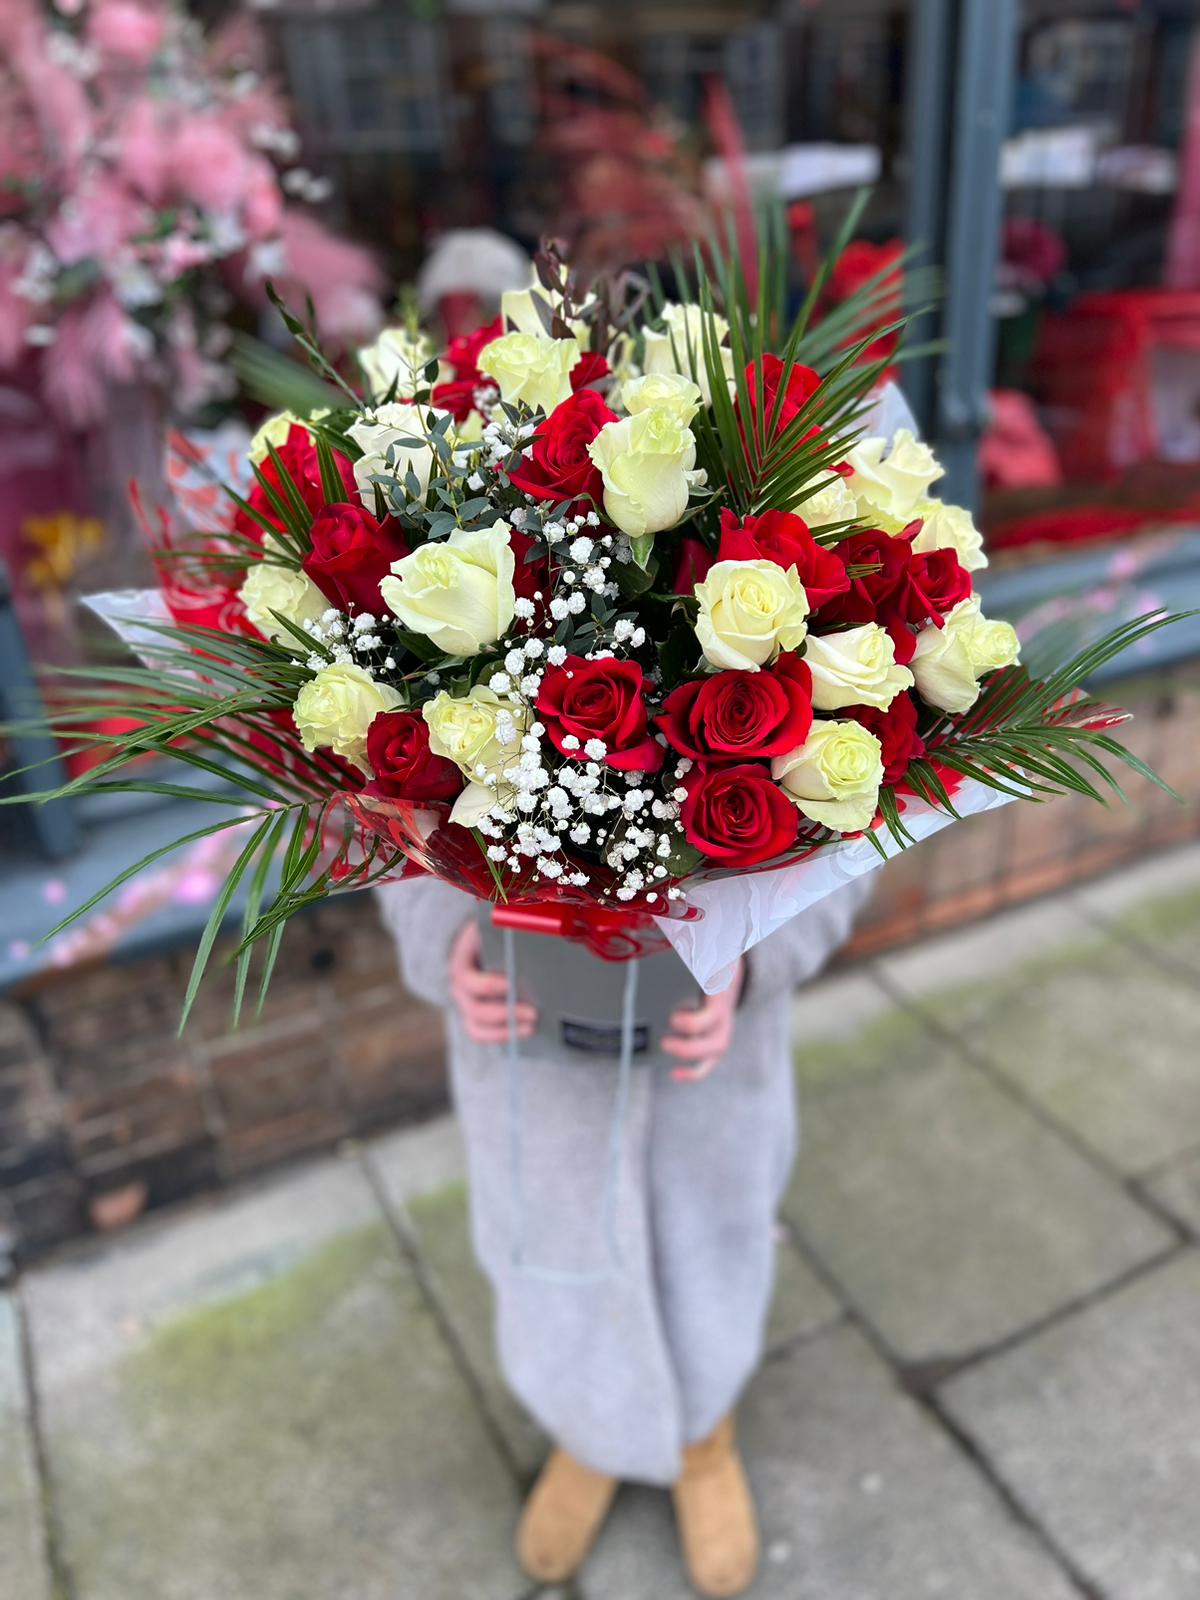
626	1360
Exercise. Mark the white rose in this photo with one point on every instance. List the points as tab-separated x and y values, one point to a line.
274	431
949	527
949	661
400	356
646	462
855	667
479	731
519	312
457	591
335	709
664	391
680	348
892	484
383	430
535	371
835	775
749	612
831	503
269	588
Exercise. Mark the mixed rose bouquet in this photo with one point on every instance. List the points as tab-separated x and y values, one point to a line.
619	598
147	181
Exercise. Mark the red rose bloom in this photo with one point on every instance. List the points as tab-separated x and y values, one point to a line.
559	467
405	767
858	264
802	383
299	455
463	353
590	368
351	552
737	815
457	394
604	699
896	730
901	590
695	563
784	538
943	580
741	716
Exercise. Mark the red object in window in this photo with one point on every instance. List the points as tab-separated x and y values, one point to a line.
1119	376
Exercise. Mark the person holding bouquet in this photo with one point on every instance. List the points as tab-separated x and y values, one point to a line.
635	1373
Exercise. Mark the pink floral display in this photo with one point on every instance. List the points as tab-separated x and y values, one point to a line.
144	176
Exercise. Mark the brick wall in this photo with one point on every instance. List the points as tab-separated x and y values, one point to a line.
100	1100
103	1109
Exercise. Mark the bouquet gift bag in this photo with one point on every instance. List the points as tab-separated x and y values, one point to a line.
592	1007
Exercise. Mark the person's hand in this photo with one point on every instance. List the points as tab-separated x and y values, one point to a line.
480	997
699	1036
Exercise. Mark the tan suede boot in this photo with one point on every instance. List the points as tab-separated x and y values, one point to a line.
564	1513
718	1529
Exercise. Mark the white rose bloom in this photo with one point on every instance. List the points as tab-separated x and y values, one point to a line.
664	391
949	661
835	775
274	431
457	591
892	484
831	503
400	356
855	667
535	371
270	588
477	729
949	527
646	462
335	709
749	612
382	430
681	347
518	310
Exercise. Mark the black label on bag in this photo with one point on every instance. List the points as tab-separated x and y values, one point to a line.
602	1038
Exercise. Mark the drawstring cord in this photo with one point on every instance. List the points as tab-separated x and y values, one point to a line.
608	1204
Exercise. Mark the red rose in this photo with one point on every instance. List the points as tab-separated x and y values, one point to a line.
942	579
896	730
737	815
695	562
299	456
590	368
457	395
740	716
583	700
463	353
559	467
405	767
784	538
529	577
802	383
351	552
900	590
858	264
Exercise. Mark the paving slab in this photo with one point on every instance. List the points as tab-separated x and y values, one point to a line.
861	1497
253	1401
1156	903
23	1574
802	1305
1095	1425
950	1215
1097	1032
1177	1188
